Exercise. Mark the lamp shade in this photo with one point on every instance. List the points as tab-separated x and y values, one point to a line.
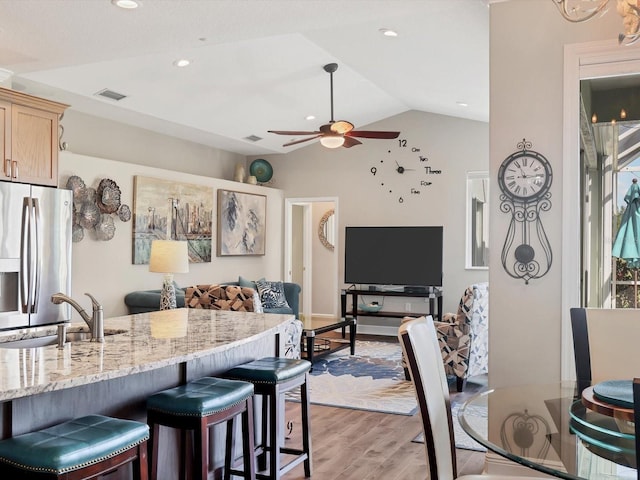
169	256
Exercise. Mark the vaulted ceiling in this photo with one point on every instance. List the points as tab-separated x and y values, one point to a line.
256	65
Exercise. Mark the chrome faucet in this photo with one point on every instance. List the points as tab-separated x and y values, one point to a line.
95	322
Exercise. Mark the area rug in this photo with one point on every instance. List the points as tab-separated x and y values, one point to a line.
372	379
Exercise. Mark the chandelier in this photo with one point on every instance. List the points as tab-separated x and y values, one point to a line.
581	10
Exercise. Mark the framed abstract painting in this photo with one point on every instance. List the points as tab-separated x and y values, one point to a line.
241	223
170	210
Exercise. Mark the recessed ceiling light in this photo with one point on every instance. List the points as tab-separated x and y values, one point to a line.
183	62
462	104
310	117
128	4
387	32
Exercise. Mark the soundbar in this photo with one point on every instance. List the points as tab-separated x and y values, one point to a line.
415	289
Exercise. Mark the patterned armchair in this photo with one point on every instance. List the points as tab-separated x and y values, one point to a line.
463	336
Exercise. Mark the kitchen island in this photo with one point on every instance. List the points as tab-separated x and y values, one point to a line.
146	353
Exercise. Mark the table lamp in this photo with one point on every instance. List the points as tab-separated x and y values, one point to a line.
168	257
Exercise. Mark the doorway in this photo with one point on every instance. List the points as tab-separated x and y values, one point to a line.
310	260
582	62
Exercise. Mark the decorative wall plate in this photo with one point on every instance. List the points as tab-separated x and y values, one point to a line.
105	229
124	213
108	196
89	215
261	169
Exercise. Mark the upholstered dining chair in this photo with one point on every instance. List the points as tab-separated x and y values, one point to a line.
605	344
420	347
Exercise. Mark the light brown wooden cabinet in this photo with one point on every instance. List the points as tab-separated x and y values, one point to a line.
29	138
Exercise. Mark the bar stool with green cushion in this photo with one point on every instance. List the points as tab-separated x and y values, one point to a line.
85	447
196	406
272	377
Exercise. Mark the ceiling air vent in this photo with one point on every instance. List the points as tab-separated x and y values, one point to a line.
110	94
253	138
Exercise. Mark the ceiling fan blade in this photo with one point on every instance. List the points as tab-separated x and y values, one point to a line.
372	134
341	127
350	142
292	133
295	142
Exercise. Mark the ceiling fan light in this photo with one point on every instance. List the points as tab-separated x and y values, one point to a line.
126	4
332	141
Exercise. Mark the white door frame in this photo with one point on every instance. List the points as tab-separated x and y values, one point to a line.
308	233
581	61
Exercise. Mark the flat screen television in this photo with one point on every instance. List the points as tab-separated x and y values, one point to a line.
410	256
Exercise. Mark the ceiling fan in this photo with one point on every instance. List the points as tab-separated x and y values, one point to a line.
335	133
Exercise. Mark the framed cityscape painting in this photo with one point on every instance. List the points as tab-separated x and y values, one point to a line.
170	210
241	223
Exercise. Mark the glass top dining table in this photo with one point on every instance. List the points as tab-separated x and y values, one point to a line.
547	428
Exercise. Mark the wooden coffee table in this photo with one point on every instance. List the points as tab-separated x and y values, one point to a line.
313	347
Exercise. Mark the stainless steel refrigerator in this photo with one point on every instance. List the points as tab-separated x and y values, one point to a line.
35	254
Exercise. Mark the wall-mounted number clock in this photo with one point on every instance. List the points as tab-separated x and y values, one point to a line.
525	179
404	172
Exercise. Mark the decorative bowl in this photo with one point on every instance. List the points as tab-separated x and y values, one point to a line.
369	307
261	169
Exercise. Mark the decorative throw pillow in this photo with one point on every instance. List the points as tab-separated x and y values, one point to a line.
272	294
245	282
257	304
220	297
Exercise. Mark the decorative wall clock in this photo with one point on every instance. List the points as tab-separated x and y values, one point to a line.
404	171
525	180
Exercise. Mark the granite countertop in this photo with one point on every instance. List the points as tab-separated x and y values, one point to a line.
150	341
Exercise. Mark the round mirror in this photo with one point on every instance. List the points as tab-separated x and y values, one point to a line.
326	229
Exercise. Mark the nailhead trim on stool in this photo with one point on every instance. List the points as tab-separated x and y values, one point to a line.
76	449
196	406
272	377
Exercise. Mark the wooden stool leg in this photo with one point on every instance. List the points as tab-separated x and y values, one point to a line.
306	430
140	468
274	434
262	458
184	449
201	450
247	442
154	429
229	449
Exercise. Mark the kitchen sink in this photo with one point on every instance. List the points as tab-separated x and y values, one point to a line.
43	341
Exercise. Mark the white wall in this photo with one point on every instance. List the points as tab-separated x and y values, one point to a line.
323	260
526	100
452	145
98	137
104	268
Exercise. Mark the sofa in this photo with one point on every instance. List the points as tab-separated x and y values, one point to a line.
143	301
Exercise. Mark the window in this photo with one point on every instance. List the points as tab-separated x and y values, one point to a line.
477	235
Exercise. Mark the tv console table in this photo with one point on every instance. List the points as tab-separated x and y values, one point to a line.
435	303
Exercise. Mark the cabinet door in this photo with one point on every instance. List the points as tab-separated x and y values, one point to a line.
5	140
34	145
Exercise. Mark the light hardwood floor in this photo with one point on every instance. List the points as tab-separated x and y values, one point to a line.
358	445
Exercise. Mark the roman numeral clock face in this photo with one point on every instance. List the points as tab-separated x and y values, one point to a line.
525	176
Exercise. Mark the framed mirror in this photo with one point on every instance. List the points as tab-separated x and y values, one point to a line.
326	229
477	234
